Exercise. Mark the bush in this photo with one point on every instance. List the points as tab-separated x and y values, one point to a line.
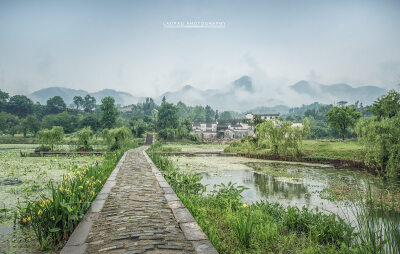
51	137
381	141
84	137
117	138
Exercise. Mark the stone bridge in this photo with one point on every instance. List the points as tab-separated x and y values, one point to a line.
137	212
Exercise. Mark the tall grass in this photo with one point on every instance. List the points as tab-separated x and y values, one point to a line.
378	226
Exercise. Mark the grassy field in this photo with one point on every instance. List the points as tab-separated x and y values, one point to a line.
349	150
211	147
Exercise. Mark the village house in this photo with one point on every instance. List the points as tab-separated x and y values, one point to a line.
250	116
222	132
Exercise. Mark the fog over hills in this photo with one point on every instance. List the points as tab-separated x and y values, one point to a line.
240	95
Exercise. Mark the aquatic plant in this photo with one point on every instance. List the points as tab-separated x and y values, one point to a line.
53	217
244	225
378	225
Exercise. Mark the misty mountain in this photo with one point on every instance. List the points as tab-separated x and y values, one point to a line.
241	95
68	94
338	92
235	96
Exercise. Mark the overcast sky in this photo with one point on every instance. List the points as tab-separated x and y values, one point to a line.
123	45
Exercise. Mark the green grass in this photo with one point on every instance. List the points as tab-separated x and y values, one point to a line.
17	139
350	150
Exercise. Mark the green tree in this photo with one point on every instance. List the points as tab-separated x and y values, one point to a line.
8	123
90	120
85	135
3	100
183	110
30	124
341	118
381	143
387	106
198	114
51	137
225	117
138	126
281	137
116	138
109	112
89	103
210	114
167	116
20	105
55	105
78	101
68	121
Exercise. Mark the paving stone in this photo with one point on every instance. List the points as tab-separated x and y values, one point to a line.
136	216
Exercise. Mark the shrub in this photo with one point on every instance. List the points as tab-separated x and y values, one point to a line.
84	137
117	138
51	137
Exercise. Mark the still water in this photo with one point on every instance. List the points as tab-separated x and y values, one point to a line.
315	186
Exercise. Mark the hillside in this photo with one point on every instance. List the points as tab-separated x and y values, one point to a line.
68	94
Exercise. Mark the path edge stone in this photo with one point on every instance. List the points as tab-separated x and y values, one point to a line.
192	231
76	243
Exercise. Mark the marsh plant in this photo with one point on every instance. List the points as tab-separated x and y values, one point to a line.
53	217
378	225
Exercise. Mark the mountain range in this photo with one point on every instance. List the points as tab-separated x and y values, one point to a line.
122	98
240	95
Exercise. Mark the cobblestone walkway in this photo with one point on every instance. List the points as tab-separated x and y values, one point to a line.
136	217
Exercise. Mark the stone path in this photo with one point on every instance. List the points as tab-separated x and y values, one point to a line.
137	212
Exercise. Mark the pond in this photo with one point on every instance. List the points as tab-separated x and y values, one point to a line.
297	184
24	178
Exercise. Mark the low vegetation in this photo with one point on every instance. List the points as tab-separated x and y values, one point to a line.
234	227
53	217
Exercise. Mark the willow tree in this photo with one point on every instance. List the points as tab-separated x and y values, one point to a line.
117	138
51	137
282	137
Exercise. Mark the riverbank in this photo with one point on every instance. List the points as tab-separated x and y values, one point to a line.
316	187
347	154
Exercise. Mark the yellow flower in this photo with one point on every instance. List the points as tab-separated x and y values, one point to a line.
29	218
24	220
244	205
53	218
39	212
80	187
